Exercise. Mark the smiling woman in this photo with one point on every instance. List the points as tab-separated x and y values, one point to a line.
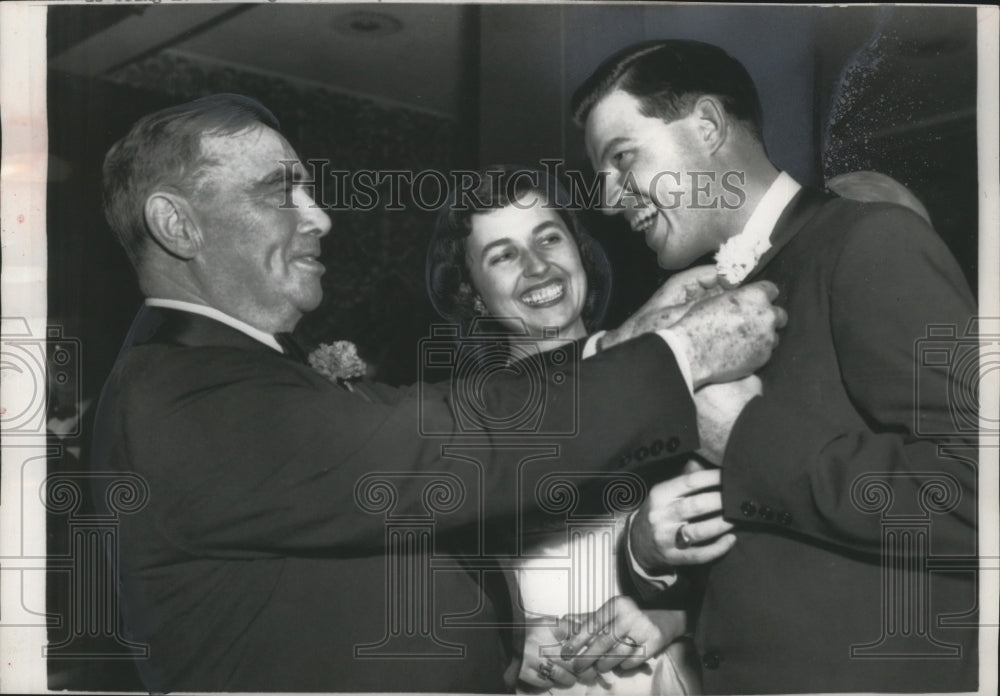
512	250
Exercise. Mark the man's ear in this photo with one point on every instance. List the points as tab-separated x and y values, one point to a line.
169	219
712	122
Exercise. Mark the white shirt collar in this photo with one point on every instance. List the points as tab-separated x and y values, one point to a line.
212	313
772	204
739	255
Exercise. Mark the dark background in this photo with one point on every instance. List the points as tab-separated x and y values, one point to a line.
446	86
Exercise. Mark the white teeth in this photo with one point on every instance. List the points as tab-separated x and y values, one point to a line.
543	295
644	220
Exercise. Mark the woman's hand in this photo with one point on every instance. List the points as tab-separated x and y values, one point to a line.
543	666
619	634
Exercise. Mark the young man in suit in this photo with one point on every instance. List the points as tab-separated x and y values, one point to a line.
253	554
817	583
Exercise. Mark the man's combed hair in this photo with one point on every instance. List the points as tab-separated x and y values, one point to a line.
668	77
163	149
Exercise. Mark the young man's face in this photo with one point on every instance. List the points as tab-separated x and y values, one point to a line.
259	260
653	172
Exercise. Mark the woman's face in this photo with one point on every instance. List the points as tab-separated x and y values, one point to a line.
526	265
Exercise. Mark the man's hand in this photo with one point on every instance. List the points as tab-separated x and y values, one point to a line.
719	405
668	304
731	335
675	504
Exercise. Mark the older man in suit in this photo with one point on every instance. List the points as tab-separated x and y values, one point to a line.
256	564
847	474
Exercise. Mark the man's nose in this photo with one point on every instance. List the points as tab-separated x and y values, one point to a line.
611	191
312	218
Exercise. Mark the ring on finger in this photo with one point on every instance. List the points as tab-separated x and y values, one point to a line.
629	641
545	670
682	540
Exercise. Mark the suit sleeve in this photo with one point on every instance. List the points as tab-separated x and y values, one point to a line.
276	462
893	282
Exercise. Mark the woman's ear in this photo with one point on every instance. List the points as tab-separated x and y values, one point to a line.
712	122
169	219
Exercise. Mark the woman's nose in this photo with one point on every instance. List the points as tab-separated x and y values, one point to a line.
535	264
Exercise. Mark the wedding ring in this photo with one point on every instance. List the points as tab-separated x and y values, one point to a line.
629	641
682	540
545	670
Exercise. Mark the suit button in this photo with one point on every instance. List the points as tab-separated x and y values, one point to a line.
766	513
656	448
641	453
748	508
672	444
711	660
785	518
625	460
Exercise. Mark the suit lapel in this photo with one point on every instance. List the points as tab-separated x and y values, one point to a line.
800	211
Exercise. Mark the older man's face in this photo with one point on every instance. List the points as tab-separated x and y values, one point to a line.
259	261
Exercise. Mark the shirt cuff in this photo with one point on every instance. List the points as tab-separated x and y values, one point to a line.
590	347
661	581
678	347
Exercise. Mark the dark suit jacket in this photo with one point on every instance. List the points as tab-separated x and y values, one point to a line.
838	478
259	562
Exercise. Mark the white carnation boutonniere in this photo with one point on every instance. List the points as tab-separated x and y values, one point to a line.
739	255
338	361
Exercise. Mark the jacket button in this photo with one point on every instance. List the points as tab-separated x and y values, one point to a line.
748	508
641	453
766	513
625	460
711	660
785	518
672	444
656	448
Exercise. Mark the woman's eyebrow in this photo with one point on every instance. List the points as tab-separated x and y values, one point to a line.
542	226
495	243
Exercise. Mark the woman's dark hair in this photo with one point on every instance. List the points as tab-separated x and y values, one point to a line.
449	282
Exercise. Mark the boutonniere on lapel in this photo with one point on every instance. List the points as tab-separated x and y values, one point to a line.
338	361
739	255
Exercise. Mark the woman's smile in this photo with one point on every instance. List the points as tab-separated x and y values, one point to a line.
545	295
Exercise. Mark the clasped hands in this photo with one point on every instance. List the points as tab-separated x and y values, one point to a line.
582	647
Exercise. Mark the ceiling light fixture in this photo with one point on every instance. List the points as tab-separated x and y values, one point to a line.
366	24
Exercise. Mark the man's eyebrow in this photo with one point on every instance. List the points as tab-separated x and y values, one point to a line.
278	176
